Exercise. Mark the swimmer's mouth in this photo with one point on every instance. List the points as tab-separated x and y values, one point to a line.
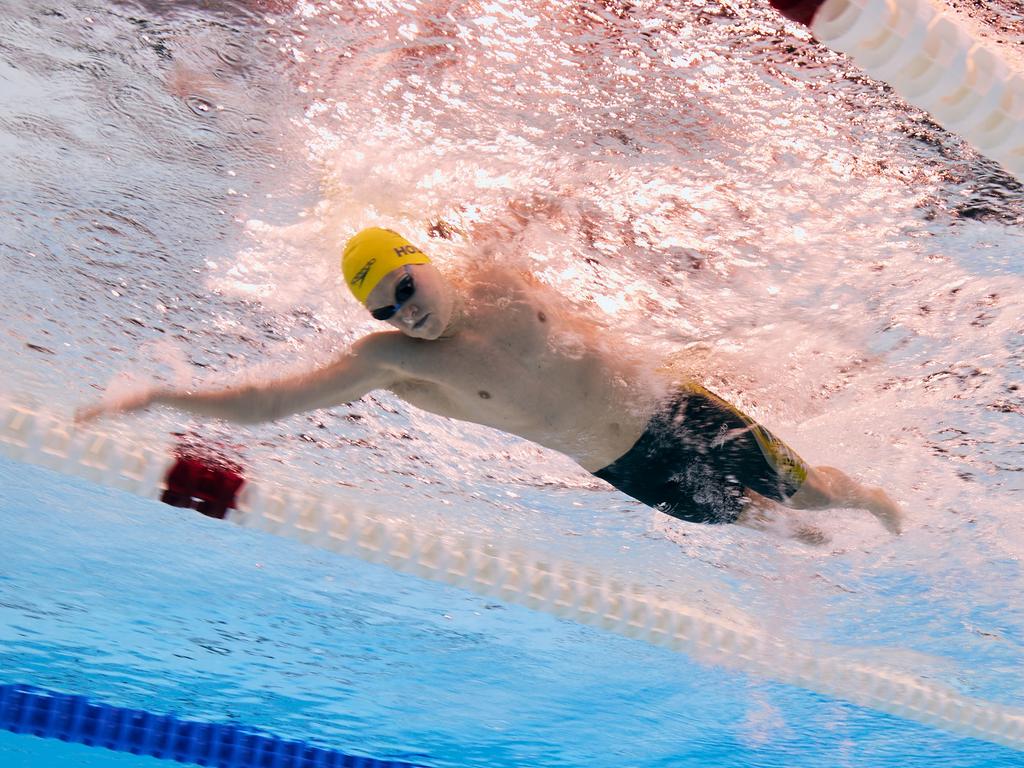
420	322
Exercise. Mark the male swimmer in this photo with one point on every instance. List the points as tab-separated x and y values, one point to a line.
492	346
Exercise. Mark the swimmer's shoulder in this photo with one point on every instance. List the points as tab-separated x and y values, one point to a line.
505	288
386	350
490	276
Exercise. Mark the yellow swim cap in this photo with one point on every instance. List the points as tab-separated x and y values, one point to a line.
371	254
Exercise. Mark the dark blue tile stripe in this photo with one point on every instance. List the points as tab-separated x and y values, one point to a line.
52	715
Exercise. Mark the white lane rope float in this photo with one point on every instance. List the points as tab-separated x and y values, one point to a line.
933	61
564	590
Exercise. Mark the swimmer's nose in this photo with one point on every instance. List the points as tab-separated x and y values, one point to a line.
408	315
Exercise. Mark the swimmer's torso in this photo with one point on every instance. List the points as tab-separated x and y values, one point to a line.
523	364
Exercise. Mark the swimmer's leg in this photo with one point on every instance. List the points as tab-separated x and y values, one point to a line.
827	487
763	514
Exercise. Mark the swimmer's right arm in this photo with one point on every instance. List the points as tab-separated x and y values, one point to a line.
348	378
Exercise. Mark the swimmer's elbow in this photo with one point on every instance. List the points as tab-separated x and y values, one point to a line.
347	380
241	405
273	403
264	406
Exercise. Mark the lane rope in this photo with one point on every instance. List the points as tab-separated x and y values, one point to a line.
933	61
47	714
565	590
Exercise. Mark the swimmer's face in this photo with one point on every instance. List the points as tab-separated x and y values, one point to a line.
414	299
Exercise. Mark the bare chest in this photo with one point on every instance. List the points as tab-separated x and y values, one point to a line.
526	373
495	373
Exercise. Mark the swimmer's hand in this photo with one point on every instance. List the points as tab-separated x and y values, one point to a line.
886	510
127	403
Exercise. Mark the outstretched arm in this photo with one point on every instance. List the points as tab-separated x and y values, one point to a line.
348	378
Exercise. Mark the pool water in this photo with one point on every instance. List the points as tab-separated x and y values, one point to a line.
178	181
159	609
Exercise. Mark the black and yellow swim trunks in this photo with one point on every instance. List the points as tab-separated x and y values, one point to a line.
699	455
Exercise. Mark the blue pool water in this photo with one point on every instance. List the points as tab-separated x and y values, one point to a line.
149	607
177	181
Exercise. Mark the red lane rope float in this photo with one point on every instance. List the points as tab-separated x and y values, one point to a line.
205	483
801	11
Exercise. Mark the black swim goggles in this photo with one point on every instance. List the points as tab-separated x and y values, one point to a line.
405	289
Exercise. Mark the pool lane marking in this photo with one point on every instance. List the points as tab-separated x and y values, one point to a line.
47	714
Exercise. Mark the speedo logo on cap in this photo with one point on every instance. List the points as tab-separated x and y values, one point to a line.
360	277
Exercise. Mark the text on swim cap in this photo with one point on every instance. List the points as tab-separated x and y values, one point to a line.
406	250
